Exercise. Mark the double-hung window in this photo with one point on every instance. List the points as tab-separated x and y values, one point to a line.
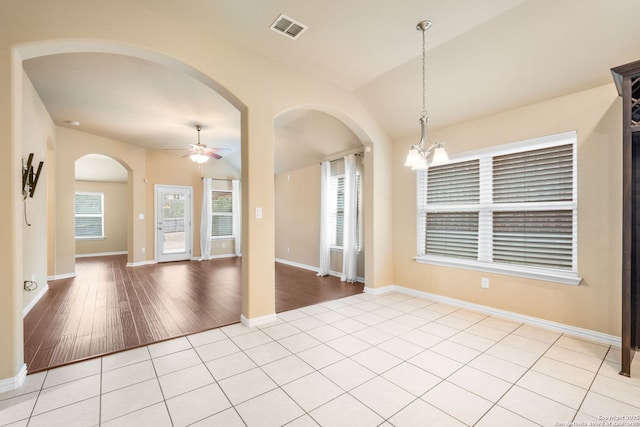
89	215
512	210
221	214
337	211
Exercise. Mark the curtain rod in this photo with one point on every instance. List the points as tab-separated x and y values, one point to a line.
217	179
341	156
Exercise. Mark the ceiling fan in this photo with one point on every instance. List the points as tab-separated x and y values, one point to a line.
199	153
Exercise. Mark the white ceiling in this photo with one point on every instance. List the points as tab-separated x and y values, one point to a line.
483	57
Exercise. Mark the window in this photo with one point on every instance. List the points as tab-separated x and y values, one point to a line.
510	210
337	211
221	213
89	215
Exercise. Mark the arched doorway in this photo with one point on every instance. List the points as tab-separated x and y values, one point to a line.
101	201
304	138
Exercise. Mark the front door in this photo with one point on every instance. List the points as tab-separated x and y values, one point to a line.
173	223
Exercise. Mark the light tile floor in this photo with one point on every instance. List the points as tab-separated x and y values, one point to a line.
389	360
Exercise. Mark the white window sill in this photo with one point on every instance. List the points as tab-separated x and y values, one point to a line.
556	276
90	238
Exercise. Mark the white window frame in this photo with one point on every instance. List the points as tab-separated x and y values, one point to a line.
334	212
485	208
229	214
101	215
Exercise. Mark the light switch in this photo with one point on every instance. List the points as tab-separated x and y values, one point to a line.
140	216
258	213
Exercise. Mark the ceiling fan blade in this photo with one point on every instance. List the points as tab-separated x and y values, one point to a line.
206	153
218	150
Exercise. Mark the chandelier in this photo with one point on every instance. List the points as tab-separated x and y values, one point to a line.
425	153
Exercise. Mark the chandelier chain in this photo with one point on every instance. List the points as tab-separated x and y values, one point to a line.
424	75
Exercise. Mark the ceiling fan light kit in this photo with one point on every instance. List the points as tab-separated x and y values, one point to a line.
200	153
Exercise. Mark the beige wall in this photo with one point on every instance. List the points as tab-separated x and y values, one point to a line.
297	205
170	169
38	130
595	303
71	145
115	218
122	27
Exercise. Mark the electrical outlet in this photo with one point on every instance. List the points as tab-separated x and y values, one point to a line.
485	282
288	249
224	245
142	250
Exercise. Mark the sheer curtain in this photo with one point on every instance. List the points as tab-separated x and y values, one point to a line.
237	215
205	221
349	249
325	219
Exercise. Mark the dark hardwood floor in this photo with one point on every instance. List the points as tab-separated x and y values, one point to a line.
108	307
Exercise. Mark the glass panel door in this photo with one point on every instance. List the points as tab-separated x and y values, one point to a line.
173	223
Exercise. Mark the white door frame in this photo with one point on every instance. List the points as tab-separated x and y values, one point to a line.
181	256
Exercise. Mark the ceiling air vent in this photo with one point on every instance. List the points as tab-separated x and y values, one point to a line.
287	26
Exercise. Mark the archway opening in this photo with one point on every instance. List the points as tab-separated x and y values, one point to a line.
306	137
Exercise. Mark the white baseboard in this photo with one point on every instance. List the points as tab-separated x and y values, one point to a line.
62	276
138	264
258	321
101	254
314	269
13	383
34	301
233	255
509	315
297	264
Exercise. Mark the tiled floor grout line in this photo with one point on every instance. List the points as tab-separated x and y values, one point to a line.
416	398
593	380
157	378
37	397
514	383
400	335
100	396
549	346
348	392
264	372
424	350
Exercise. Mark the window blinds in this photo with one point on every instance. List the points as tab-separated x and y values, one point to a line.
221	213
516	208
544	175
446	222
337	217
454	183
452	234
537	238
337	214
89	215
534	236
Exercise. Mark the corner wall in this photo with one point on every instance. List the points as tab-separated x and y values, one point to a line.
37	130
297	215
71	145
596	115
